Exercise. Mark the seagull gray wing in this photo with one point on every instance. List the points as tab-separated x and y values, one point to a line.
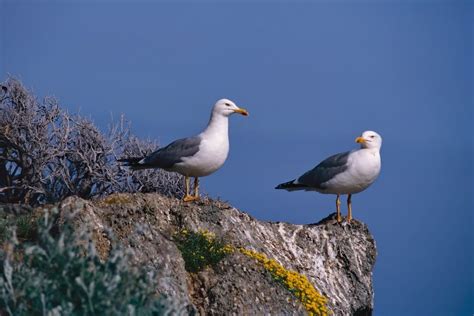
325	171
172	154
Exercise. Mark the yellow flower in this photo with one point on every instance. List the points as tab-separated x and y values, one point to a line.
298	284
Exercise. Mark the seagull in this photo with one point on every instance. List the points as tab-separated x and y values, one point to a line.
196	156
345	173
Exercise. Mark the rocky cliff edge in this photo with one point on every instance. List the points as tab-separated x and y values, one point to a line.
336	259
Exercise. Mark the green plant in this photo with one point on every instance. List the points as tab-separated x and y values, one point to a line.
24	223
25	227
200	249
3	228
61	274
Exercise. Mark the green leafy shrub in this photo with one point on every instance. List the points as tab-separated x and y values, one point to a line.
200	249
25	226
61	274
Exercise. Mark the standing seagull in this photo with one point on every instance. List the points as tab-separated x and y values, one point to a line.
345	173
196	156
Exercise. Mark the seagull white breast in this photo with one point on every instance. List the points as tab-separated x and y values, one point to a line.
363	167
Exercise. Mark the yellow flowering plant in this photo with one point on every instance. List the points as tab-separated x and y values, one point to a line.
298	284
202	249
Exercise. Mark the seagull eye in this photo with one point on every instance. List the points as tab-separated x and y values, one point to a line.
373	136
227	104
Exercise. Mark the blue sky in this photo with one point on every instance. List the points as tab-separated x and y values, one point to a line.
313	76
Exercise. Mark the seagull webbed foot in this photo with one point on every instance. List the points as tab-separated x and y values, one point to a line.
190	198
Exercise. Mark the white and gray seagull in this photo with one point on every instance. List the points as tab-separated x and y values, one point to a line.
345	173
196	156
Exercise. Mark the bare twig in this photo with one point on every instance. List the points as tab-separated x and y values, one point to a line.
47	154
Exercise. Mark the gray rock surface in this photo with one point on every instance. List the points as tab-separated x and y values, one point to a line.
338	259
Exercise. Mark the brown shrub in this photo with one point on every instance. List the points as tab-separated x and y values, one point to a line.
47	154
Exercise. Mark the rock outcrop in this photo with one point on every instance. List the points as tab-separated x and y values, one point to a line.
336	258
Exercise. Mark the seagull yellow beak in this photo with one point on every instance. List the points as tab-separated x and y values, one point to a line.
242	111
360	140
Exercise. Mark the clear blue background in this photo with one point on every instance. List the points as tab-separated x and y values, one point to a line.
313	76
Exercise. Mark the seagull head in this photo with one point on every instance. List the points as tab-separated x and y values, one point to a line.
226	108
369	139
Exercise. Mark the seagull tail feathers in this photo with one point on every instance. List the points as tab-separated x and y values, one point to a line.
290	186
133	163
